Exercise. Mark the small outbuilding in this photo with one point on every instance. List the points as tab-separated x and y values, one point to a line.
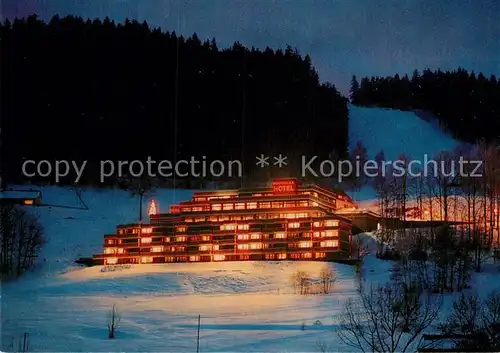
20	197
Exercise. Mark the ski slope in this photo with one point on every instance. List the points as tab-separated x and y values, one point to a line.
244	307
394	132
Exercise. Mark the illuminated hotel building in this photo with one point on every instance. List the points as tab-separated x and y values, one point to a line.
287	221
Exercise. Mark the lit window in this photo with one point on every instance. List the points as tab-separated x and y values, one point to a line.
219	257
320	255
200	199
281	256
180	238
169	259
243	226
332	223
314	204
280	235
305	244
290	215
157	249
199	219
197	209
213	219
240	206
147	230
294	225
109	251
181	229
167	239
247	217
216	207
216	247
256	246
28	202
251	205
269	256
227	227
289	204
194	258
223	218
146	260
243	246
330	244
303	203
206	247
264	205
146	240
205	237
111	261
120	251
277	205
244	257
332	233
186	209
255	236
307	255
243	236
236	218
318	234
188	219
317	224
228	206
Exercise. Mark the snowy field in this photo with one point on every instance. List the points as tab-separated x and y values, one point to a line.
244	306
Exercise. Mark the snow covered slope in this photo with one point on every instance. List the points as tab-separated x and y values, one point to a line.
395	132
247	306
244	307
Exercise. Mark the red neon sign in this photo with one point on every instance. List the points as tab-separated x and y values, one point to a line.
284	186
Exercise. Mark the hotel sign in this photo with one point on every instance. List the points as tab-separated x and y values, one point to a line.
284	186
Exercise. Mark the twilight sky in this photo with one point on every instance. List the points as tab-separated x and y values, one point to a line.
343	37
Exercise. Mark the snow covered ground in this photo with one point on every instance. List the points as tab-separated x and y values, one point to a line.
244	307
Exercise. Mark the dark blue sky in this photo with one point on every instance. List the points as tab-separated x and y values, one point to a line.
343	37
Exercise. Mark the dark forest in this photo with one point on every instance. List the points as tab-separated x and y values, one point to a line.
75	89
466	104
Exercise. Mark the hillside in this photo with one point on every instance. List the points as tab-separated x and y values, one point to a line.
64	307
156	94
395	132
466	103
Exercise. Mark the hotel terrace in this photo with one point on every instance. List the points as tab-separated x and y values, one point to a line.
287	221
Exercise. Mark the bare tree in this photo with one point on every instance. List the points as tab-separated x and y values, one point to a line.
475	324
378	321
327	278
114	318
301	282
138	187
21	239
322	346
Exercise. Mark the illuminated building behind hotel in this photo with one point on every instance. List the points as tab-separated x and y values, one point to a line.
287	221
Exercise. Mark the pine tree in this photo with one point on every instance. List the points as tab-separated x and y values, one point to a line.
354	90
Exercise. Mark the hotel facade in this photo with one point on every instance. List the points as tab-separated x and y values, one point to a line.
286	221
